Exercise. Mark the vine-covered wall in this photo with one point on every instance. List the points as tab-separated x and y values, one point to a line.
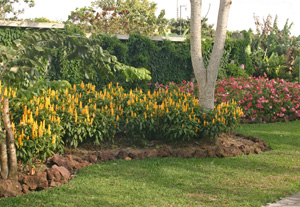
9	34
167	61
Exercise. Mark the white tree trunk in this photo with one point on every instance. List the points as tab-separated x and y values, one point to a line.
206	77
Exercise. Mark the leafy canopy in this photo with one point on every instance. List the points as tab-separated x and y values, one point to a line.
7	8
120	17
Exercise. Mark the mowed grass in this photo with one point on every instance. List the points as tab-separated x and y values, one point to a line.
252	180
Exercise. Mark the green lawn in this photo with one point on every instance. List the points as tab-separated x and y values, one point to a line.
252	180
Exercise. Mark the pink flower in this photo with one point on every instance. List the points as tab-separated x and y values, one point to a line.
259	106
242	66
282	109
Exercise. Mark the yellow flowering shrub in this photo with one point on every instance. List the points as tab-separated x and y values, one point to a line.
80	114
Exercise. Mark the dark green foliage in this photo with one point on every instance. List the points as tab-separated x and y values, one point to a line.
171	61
9	34
165	60
62	69
240	51
114	46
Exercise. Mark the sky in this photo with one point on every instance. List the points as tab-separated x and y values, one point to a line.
241	11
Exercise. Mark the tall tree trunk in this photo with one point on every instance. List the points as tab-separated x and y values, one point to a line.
12	174
3	152
3	158
206	77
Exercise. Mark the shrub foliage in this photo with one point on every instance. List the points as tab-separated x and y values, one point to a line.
81	114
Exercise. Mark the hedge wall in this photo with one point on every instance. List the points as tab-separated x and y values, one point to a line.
167	61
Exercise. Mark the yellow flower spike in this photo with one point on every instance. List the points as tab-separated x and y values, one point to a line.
95	106
44	124
13	126
5	92
117	118
134	114
25	110
92	121
127	120
190	117
74	88
204	123
216	116
88	118
105	107
214	121
82	85
167	110
145	115
121	113
53	139
182	126
226	111
196	130
112	111
25	118
131	113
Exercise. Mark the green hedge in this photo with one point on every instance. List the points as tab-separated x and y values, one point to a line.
167	61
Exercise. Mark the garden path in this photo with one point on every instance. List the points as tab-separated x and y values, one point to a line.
290	201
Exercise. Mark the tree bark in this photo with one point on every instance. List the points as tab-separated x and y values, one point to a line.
206	77
12	174
3	158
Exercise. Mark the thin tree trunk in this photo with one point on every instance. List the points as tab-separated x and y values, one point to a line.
206	77
3	158
3	143
12	174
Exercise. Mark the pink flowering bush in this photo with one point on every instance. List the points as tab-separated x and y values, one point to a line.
260	98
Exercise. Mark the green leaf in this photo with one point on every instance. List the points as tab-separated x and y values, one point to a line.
38	48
